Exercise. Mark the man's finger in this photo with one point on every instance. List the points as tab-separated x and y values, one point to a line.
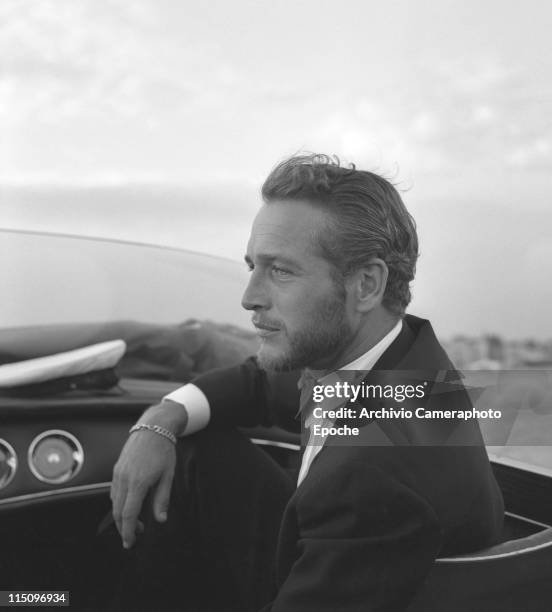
131	510
118	497
162	496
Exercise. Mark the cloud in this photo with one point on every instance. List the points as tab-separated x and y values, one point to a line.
94	88
535	154
449	115
85	58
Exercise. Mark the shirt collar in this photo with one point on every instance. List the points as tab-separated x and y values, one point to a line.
362	364
370	358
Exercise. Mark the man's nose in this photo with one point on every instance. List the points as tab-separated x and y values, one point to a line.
255	295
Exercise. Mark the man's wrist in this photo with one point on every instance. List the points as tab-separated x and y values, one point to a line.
160	431
167	414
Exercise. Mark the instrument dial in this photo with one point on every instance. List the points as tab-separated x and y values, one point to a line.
55	456
8	463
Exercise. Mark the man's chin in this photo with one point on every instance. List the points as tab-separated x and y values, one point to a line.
271	359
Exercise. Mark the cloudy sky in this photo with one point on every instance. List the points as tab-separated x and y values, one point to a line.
167	109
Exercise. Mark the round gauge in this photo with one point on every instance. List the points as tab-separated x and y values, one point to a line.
8	463
55	456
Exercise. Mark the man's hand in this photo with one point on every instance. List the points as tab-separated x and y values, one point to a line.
146	463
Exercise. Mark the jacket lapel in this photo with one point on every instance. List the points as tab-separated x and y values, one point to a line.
415	356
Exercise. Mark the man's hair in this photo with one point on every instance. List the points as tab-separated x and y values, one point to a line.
369	218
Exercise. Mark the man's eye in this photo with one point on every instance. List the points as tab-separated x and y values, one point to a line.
280	272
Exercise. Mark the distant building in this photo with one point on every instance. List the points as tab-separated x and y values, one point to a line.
464	350
493	352
495	348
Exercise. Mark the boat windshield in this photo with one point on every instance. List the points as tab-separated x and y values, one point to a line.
49	279
179	312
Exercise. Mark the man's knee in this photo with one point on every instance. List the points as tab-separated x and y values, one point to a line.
218	463
212	448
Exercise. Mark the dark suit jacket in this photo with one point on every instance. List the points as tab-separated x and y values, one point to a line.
364	527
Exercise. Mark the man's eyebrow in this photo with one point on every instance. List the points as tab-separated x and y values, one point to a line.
269	258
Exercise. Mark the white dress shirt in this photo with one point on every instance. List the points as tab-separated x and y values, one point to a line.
199	412
364	363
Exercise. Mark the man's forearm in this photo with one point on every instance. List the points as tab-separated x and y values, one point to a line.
227	397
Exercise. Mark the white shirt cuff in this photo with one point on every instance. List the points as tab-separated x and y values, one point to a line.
196	404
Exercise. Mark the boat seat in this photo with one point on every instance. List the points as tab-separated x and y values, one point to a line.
512	576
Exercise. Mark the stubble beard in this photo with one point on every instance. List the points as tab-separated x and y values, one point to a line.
327	333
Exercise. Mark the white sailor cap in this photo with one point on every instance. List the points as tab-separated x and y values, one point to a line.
96	357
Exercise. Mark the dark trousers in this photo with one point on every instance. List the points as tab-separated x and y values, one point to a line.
216	551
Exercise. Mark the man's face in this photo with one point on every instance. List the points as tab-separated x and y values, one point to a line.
298	305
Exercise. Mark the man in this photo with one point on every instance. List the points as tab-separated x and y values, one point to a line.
331	254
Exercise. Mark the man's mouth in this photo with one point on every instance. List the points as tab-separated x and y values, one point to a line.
264	329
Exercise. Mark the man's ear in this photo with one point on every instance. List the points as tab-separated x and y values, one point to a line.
368	284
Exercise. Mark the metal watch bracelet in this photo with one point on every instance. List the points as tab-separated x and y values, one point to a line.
156	429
